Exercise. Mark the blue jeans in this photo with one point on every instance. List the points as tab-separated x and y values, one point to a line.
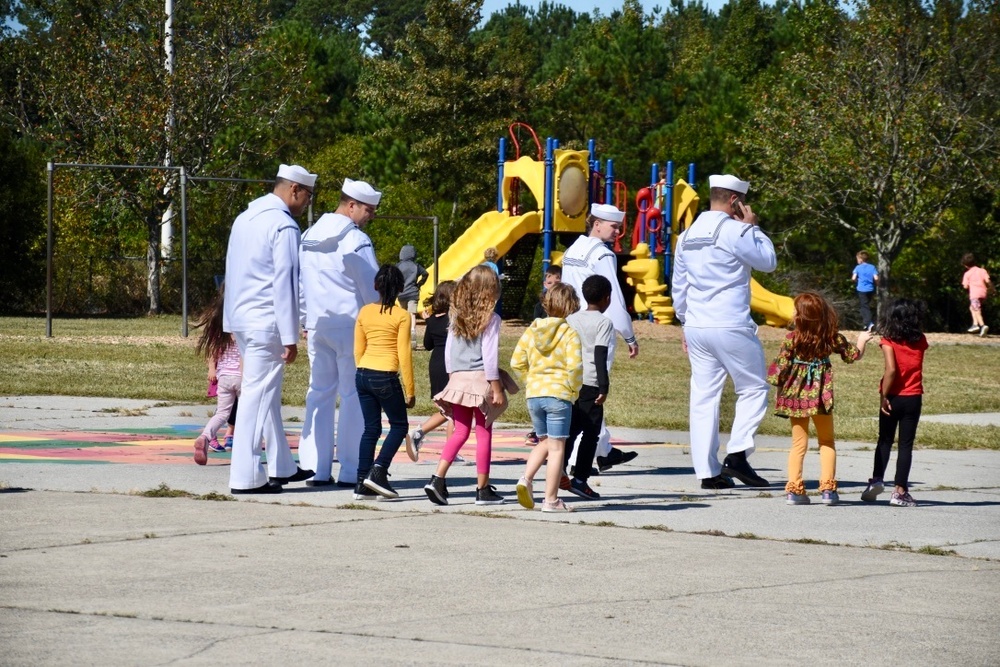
378	392
550	416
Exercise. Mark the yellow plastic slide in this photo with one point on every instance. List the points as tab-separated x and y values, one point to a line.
777	310
496	229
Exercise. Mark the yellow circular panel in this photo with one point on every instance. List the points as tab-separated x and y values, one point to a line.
572	192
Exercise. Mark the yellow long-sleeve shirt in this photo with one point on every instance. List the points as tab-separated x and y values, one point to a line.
382	343
550	360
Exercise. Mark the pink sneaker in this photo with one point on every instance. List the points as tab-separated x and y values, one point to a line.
215	446
557	506
201	450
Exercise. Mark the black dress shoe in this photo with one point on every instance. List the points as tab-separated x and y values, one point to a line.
320	482
718	482
299	476
614	457
739	467
263	488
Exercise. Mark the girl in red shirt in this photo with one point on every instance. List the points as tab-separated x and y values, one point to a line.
903	345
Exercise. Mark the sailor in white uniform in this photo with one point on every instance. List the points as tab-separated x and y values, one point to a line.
337	277
262	273
711	294
590	255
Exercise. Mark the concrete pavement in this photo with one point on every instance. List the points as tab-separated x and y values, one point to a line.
658	571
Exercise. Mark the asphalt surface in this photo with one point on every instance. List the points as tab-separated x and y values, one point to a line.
657	571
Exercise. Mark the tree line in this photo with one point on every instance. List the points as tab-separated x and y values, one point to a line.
866	125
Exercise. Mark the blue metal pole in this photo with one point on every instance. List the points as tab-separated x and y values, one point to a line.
668	221
591	151
654	176
549	192
500	159
609	183
691	174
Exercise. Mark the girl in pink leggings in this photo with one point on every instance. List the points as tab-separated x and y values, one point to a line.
225	375
475	390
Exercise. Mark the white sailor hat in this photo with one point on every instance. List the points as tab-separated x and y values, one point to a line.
607	212
362	192
728	182
296	174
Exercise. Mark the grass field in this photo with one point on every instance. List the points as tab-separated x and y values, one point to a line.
146	358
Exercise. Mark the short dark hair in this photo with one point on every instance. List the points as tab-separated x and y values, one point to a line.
968	260
596	288
440	301
554	270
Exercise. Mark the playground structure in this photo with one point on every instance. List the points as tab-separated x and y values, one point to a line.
566	182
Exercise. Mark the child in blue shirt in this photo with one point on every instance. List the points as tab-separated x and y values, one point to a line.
866	277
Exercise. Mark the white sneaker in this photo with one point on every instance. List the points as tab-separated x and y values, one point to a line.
525	497
982	332
413	440
973	329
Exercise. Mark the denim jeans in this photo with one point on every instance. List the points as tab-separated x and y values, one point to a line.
378	392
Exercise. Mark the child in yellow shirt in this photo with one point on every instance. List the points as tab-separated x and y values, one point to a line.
381	351
550	360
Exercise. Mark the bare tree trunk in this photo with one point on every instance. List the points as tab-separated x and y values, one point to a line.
153	262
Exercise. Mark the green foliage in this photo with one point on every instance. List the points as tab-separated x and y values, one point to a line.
22	223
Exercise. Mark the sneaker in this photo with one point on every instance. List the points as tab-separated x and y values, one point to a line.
614	457
557	506
362	492
215	446
461	459
870	327
902	499
973	329
436	490
378	481
982	332
531	439
413	443
875	487
581	488
525	496
488	495
594	472
229	443
797	499
830	497
201	450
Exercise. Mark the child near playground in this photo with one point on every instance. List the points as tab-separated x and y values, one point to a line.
475	389
866	277
224	372
435	339
414	276
803	374
596	333
553	276
382	352
903	347
977	281
549	359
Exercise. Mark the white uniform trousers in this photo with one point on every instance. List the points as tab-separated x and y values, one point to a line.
259	415
331	372
713	354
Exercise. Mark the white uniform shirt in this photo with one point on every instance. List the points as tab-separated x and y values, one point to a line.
337	273
712	263
262	271
586	257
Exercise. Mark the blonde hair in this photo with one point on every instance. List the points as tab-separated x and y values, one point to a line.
473	300
490	254
561	300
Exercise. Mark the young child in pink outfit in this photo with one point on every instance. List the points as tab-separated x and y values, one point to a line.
225	372
977	281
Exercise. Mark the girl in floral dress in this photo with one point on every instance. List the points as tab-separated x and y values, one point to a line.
804	377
